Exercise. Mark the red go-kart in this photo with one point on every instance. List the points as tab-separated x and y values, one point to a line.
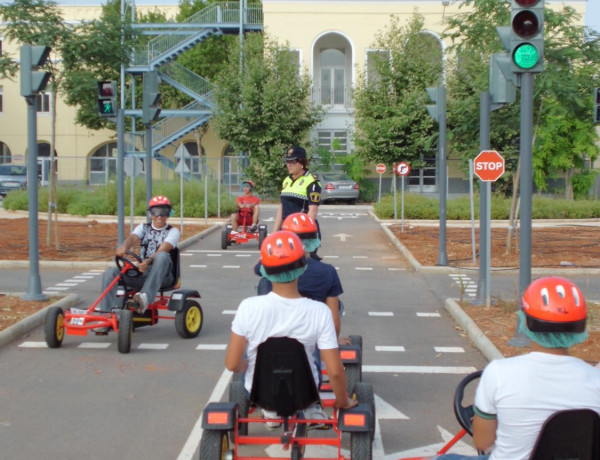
242	234
123	320
283	383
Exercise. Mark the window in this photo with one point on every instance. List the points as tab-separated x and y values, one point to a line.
43	103
377	60
333	76
325	140
295	57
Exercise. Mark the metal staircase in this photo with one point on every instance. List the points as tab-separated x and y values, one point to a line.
160	54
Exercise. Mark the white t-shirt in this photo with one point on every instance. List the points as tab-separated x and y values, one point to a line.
151	238
271	315
525	390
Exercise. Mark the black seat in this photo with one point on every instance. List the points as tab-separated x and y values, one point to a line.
283	380
569	435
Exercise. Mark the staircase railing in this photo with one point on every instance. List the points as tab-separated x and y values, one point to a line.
185	77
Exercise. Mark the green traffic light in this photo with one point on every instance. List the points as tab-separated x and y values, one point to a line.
107	107
526	56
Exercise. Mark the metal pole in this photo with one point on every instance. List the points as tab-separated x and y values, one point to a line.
484	224
441	103
472	210
402	205
121	174
148	165
379	198
34	288
526	187
394	184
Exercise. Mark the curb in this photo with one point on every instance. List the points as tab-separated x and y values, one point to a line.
17	330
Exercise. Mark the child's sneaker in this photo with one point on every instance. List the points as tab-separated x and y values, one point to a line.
271	414
316	412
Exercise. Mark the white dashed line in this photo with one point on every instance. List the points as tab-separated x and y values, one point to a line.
244	255
428	315
153	346
198	266
419	369
449	349
363	268
213	255
33	345
389	348
392	269
215	346
229	312
331	257
231	266
95	345
381	313
360	257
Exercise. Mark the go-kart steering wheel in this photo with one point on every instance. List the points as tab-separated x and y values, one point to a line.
464	414
121	262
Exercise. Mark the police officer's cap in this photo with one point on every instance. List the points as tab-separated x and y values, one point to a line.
294	153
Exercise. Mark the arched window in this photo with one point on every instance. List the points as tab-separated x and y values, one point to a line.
103	164
5	155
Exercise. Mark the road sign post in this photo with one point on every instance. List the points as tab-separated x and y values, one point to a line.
403	170
380	168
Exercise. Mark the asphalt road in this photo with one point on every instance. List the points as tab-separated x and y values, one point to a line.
86	400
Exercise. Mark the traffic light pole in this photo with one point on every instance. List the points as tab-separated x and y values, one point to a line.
442	175
483	286
121	174
148	165
526	187
34	288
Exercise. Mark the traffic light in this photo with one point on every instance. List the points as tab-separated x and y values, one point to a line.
596	105
437	95
107	98
150	98
33	80
527	36
502	89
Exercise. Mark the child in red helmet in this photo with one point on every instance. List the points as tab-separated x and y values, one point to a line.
285	313
156	240
248	209
516	395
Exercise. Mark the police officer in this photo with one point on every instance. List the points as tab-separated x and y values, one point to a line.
300	191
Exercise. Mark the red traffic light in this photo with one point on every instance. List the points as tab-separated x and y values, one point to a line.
525	24
526	3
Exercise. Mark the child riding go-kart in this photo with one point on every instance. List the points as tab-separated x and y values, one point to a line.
244	233
124	319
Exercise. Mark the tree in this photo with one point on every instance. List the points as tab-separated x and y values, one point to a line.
264	107
38	22
391	119
563	133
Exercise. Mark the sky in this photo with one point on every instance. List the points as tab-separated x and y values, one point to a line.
592	14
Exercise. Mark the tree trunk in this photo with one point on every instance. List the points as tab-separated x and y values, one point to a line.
512	219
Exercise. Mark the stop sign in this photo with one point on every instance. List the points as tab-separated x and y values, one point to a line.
489	165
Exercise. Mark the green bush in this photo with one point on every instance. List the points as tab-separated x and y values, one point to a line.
421	207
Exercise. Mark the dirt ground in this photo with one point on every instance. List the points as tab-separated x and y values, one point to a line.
560	246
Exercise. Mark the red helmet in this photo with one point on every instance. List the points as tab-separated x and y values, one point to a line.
282	251
554	304
249	182
159	200
301	224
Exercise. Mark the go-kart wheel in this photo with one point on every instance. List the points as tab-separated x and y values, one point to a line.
188	321
353	375
214	444
122	261
262	234
357	340
361	447
54	327
125	331
363	393
464	414
237	394
224	241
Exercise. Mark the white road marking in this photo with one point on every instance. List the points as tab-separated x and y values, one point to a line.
33	345
331	257
419	369
449	349
187	254
153	346
381	313
70	283
364	268
389	348
198	266
243	255
84	277
397	269
194	438
229	312
94	345
213	255
360	257
56	288
231	266
215	346
428	315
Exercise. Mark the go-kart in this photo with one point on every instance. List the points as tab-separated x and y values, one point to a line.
242	234
283	383
124	319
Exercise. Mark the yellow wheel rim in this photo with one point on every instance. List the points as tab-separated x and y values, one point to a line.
193	319
60	327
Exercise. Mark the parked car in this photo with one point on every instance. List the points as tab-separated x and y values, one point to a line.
12	177
337	186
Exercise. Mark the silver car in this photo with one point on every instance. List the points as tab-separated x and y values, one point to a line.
337	186
12	177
